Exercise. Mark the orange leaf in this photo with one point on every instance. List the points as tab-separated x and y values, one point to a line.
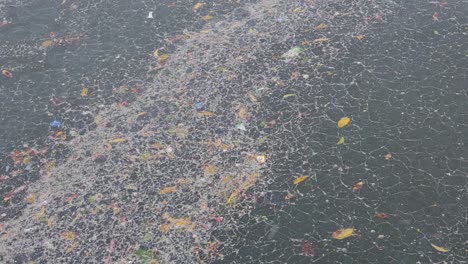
168	190
300	179
360	37
358	186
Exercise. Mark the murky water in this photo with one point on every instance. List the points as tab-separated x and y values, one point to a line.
192	157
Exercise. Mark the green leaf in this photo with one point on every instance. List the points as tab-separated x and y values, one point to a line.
144	256
262	139
341	141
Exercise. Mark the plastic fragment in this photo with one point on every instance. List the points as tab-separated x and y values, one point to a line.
261	158
55	124
199	106
150	14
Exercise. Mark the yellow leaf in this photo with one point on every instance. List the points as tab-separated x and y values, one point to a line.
31	198
360	37
206	18
321	26
341	141
321	40
206	113
343	122
441	249
300	179
118	140
243	112
209	170
162	57
84	92
168	190
232	196
182	222
141	114
46	43
342	233
40	213
198	6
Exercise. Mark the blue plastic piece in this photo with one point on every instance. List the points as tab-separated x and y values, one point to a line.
55	124
199	106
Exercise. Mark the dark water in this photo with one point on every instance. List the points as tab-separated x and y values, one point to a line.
404	86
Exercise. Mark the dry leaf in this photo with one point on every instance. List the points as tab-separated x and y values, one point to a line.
294	75
165	228
321	40
198	6
84	92
360	37
440	249
252	97
118	140
210	170
206	113
358	186
343	122
168	190
31	198
232	196
242	112
206	18
343	233
68	235
7	74
46	43
381	215
157	146
40	213
300	179
8	196
321	26
289	196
